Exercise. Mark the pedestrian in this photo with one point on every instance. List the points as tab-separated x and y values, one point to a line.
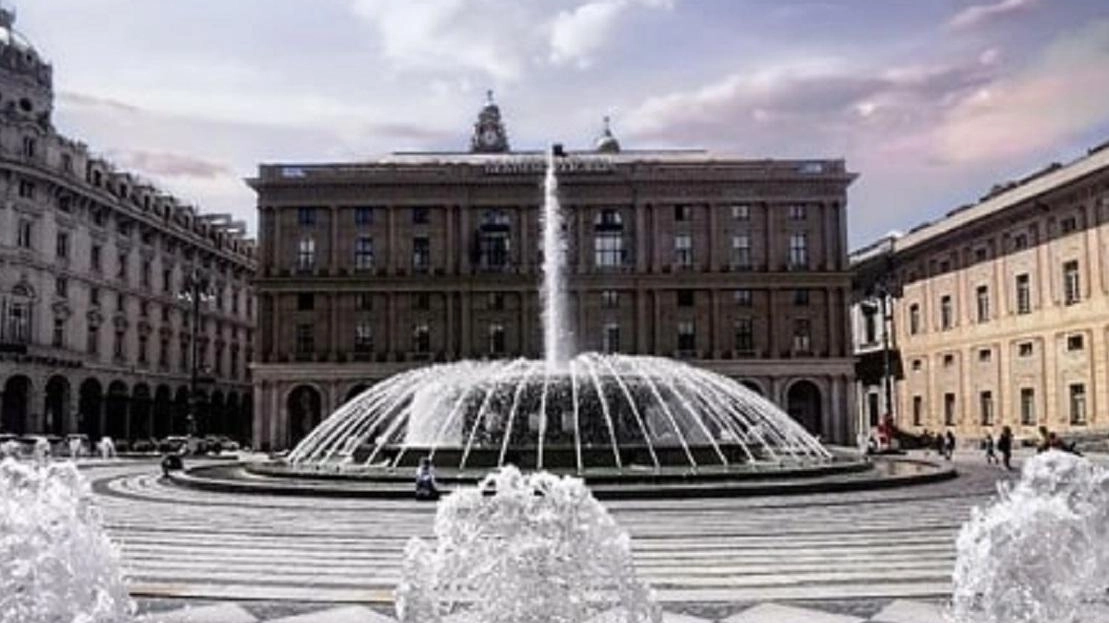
926	441
991	457
939	444
949	445
1045	440
1005	447
426	488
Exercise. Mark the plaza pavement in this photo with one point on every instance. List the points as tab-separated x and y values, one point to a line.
205	557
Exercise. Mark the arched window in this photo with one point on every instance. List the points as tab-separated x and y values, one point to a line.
494	240
608	240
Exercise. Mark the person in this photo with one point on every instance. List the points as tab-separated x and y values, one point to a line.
425	481
1045	440
926	441
991	456
939	444
1005	447
172	462
949	445
1055	442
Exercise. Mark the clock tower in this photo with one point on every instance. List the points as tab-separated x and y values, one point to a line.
489	133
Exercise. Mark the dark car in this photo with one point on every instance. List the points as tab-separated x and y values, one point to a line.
172	444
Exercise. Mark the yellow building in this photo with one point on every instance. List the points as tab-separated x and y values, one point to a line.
1000	311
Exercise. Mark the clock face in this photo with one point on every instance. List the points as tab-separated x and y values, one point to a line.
489	137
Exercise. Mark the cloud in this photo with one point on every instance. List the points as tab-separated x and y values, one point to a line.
978	14
170	164
576	34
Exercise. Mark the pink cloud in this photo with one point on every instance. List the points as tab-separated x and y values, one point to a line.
978	14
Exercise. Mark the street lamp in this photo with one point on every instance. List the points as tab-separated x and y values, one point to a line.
195	290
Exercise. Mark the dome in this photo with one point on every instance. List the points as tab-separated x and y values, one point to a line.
597	413
607	143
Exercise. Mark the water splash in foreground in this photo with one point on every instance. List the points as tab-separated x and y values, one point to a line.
1041	553
56	564
540	549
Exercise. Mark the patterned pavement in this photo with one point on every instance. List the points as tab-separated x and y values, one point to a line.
837	558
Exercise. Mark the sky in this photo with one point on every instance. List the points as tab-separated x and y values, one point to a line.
931	102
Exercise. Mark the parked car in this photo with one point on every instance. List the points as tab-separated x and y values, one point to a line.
224	443
144	445
173	444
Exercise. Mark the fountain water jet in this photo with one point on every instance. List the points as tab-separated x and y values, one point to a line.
556	337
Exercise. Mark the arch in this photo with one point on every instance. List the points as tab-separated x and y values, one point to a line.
14	412
353	392
803	403
231	416
303	407
180	422
115	410
55	408
216	415
754	386
140	417
162	412
90	409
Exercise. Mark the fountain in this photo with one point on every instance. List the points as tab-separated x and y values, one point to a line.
56	563
1041	552
523	549
588	414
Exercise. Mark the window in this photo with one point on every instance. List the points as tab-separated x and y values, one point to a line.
1020	242
92	340
363	337
1024	294
742	297
234	361
121	301
744	335
165	314
421	216
797	213
94	257
917	365
610	299
58	340
167	280
306	301
67	163
1068	225
364	252
798	250
741	251
143	341
61	287
949	409
741	212
61	248
914	319
144	275
23	234
985	355
364	301
981	254
802	335
918	411
495	301
801	297
306	254
363	216
144	309
306	217
608	249
983	297
26	189
870	325
1074	342
94	296
1024	349
29	146
421	254
947	314
163	353
985	408
121	267
1077	404
183	354
687	341
1027	406
948	360
685	298
421	339
118	350
305	338
496	339
611	338
1072	292
683	212
683	250
421	301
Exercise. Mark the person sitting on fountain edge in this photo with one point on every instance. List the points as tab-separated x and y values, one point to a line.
425	481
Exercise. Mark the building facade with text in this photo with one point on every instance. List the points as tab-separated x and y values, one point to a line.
370	268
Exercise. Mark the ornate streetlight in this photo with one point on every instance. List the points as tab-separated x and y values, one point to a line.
195	290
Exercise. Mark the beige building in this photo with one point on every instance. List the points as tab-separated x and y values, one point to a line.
369	268
1001	313
95	336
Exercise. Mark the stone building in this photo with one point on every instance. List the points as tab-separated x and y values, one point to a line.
877	365
1001	308
94	335
369	268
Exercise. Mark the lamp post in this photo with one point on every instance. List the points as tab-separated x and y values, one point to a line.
196	289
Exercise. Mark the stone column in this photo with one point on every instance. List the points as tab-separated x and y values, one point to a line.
714	323
451	260
464	326
391	237
657	323
465	232
257	422
772	263
642	346
524	253
451	345
333	328
278	260
828	227
525	324
582	240
391	324
641	238
771	339
333	240
713	239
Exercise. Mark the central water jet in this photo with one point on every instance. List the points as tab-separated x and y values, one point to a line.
556	337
